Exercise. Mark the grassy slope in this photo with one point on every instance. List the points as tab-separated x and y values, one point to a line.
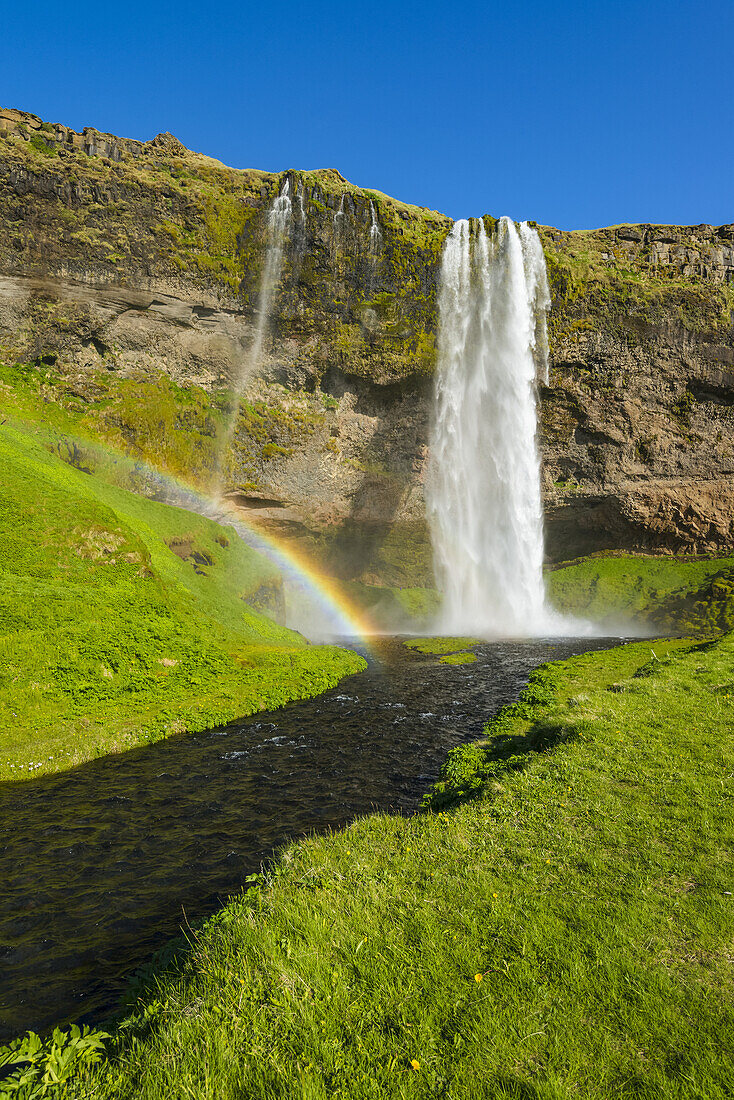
108	638
175	429
664	593
560	928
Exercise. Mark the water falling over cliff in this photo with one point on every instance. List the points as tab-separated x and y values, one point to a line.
278	225
375	231
279	218
483	491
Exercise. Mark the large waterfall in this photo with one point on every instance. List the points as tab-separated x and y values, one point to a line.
483	489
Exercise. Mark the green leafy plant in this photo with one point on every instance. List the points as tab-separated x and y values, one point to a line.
43	1067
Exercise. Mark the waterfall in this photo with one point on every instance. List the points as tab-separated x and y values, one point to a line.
538	294
483	486
375	231
279	218
301	207
278	224
299	236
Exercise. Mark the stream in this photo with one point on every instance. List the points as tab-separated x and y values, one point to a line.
101	865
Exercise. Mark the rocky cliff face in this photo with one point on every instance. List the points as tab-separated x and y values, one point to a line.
638	423
130	275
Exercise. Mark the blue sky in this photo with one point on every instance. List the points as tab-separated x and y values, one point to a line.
573	114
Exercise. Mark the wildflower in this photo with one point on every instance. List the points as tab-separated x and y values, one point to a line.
415	1063
547	861
494	895
477	978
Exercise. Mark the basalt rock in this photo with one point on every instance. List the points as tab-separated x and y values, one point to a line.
122	261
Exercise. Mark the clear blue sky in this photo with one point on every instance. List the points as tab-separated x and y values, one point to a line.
573	114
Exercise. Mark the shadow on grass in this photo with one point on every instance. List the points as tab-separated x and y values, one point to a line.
465	775
467	771
470	768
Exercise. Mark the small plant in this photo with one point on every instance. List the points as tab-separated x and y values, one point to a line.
42	146
42	1067
457	659
681	409
270	450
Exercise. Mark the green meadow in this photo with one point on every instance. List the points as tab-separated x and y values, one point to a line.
556	923
660	594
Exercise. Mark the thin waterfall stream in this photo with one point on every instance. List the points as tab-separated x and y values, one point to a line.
279	219
278	225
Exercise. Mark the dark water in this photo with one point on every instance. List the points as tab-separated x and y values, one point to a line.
98	865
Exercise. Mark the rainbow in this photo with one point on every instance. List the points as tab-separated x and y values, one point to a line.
343	615
340	616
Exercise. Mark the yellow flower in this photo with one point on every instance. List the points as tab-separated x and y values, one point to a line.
477	977
415	1063
494	895
547	861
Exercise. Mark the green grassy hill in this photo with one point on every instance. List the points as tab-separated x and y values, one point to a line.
122	619
660	594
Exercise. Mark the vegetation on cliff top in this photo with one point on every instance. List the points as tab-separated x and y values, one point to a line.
557	924
123	620
162	211
600	282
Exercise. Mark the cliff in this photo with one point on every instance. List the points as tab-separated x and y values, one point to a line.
638	421
129	285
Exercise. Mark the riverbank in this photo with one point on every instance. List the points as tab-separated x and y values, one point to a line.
123	620
557	924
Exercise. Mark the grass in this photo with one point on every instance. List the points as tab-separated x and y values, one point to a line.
156	423
123	620
666	594
438	646
458	659
556	924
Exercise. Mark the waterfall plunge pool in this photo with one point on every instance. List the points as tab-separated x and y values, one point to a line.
101	865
